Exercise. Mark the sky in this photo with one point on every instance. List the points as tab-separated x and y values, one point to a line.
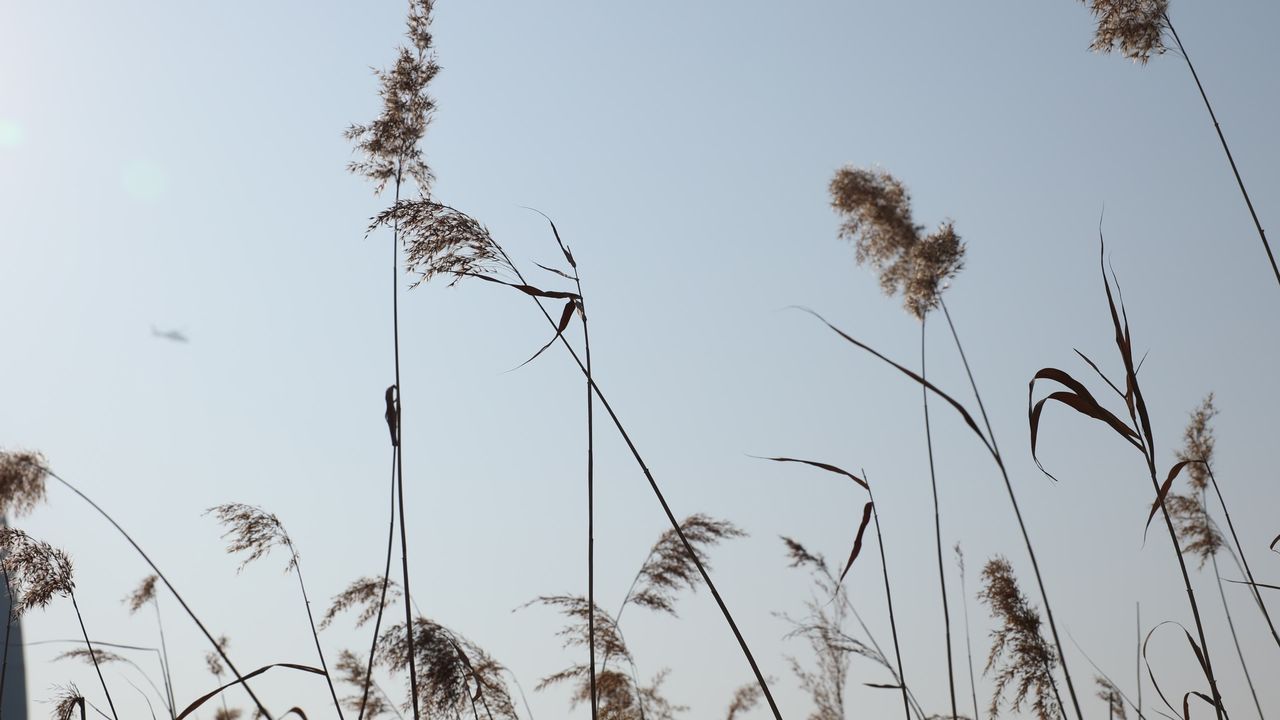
182	165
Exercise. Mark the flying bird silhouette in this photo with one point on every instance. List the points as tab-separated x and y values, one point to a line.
173	335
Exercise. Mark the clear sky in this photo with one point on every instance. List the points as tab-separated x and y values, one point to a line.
182	165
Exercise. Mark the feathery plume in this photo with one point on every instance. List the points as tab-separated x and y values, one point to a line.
22	476
669	567
1200	535
227	713
441	240
66	700
744	699
1134	27
254	531
351	670
453	671
1111	694
145	593
38	572
389	144
213	661
1019	652
98	654
876	208
363	593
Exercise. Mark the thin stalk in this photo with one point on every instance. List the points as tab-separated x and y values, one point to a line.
1234	638
404	534
1240	554
968	642
888	594
8	626
666	509
164	656
1017	512
93	655
915	704
1186	576
181	601
591	502
1137	662
937	527
1222	139
386	579
297	569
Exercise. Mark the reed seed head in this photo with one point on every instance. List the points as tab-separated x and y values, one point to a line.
1111	694
145	593
84	655
744	699
213	660
65	701
253	531
876	209
365	593
1199	534
452	671
1020	655
22	481
389	144
669	566
227	713
38	572
1198	442
440	240
351	670
1134	27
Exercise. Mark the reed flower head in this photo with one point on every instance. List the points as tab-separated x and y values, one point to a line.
1111	694
1199	534
98	654
22	476
744	699
38	572
389	144
452	671
1135	27
227	713
213	661
145	593
876	209
351	670
66	700
441	240
1019	653
253	531
669	566
365	593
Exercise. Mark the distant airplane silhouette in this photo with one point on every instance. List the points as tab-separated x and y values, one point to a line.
174	335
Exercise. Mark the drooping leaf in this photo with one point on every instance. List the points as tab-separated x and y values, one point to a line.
823	466
1164	491
565	316
247	676
857	541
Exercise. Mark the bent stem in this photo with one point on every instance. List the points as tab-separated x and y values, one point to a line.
181	601
937	527
666	509
1017	512
93	655
1240	554
1235	639
297	568
1262	234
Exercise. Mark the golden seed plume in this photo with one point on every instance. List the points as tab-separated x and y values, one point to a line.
876	209
1023	660
22	481
38	572
1190	514
440	240
1134	27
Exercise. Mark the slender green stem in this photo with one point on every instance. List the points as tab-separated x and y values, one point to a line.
1223	140
888	594
937	527
164	657
93	655
1017	512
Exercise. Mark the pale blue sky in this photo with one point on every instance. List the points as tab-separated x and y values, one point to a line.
182	165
